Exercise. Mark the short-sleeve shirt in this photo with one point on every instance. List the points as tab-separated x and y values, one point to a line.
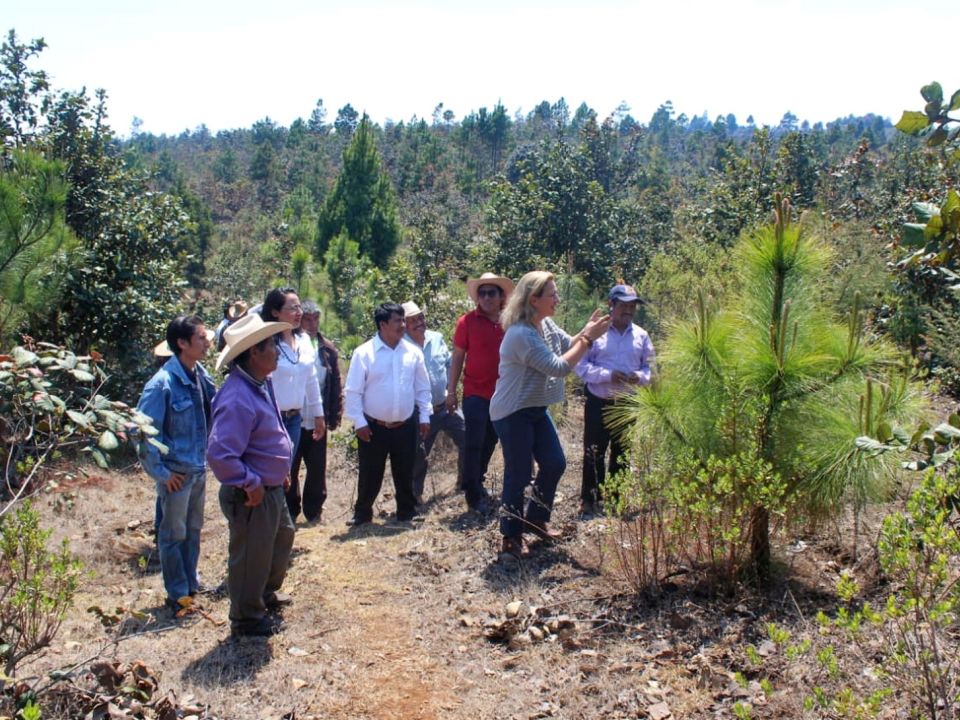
480	338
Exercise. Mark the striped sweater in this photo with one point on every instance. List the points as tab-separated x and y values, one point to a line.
531	369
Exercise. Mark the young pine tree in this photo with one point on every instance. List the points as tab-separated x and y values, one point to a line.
773	374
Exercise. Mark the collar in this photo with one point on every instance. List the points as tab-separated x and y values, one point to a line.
248	377
379	344
177	370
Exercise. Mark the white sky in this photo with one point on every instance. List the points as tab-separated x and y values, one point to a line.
178	64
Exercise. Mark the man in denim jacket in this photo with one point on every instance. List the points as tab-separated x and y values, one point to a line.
177	399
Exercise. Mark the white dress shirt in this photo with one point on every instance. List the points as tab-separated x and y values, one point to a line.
386	383
295	379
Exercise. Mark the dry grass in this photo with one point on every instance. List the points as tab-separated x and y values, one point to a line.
389	622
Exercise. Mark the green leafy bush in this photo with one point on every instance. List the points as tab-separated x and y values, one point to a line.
37	586
50	402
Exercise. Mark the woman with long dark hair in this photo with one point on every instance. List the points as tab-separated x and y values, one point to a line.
295	379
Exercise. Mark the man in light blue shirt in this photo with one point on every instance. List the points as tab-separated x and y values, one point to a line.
437	357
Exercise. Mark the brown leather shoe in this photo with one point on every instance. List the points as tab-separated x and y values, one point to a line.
543	531
514	547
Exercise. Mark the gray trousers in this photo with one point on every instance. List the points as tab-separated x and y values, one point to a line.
261	538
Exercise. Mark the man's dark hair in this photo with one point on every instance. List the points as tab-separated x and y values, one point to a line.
182	327
384	312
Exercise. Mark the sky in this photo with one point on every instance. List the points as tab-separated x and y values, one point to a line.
180	64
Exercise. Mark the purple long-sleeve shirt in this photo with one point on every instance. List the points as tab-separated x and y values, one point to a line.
248	446
630	352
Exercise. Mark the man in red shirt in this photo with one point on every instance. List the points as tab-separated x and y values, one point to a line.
476	354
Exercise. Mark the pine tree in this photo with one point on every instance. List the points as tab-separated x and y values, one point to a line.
362	203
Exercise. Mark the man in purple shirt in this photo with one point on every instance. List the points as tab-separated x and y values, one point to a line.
620	359
249	452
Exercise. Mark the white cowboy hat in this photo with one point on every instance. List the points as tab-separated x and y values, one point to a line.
161	349
244	334
505	284
411	309
236	310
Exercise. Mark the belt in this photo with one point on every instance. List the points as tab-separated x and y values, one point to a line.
290	413
439	406
388	425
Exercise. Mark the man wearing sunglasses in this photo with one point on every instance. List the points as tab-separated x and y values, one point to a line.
476	355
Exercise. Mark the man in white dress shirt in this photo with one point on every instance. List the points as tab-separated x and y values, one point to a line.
387	398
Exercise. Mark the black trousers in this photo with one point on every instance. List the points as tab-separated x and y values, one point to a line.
596	439
313	453
400	445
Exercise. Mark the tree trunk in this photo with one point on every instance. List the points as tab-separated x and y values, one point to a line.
760	545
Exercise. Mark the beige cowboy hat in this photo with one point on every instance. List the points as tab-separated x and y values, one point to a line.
411	309
244	334
161	349
236	310
505	284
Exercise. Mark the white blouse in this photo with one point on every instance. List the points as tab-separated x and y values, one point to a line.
295	379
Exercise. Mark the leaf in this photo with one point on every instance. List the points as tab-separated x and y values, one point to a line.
937	137
924	211
884	432
23	357
954	420
82	375
902	437
939	459
955	101
871	446
912	122
932	93
78	418
108	441
912	235
159	445
100	458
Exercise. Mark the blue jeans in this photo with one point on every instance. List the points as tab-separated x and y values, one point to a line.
527	435
481	441
292	425
178	536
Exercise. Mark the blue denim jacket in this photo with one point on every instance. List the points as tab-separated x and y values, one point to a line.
175	405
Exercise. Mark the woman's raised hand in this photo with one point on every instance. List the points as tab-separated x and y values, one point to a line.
596	326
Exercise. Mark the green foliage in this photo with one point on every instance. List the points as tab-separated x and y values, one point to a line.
22	91
37	586
362	203
50	403
346	271
556	215
35	243
773	375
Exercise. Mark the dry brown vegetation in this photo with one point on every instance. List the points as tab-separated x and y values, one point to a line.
392	622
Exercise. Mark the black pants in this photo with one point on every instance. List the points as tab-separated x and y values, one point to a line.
313	453
400	445
596	438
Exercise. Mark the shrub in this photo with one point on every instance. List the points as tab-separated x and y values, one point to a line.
37	586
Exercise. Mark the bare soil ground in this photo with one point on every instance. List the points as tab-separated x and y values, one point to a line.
393	622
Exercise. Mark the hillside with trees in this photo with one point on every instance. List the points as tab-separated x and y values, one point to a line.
800	284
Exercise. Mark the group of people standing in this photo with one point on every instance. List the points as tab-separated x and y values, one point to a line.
283	394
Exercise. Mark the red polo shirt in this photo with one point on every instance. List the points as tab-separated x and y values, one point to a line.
479	337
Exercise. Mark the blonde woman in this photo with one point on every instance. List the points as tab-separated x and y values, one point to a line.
535	355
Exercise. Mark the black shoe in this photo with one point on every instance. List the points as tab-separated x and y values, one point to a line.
264	627
357	522
313	519
481	503
277	601
410	519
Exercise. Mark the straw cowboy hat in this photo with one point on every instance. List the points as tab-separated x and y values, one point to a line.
411	309
505	284
161	349
236	310
244	334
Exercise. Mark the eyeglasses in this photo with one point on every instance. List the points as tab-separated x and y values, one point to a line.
293	308
490	292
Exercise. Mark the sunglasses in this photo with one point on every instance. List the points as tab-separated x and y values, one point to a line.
492	292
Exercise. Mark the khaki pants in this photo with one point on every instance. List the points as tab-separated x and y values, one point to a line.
260	542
